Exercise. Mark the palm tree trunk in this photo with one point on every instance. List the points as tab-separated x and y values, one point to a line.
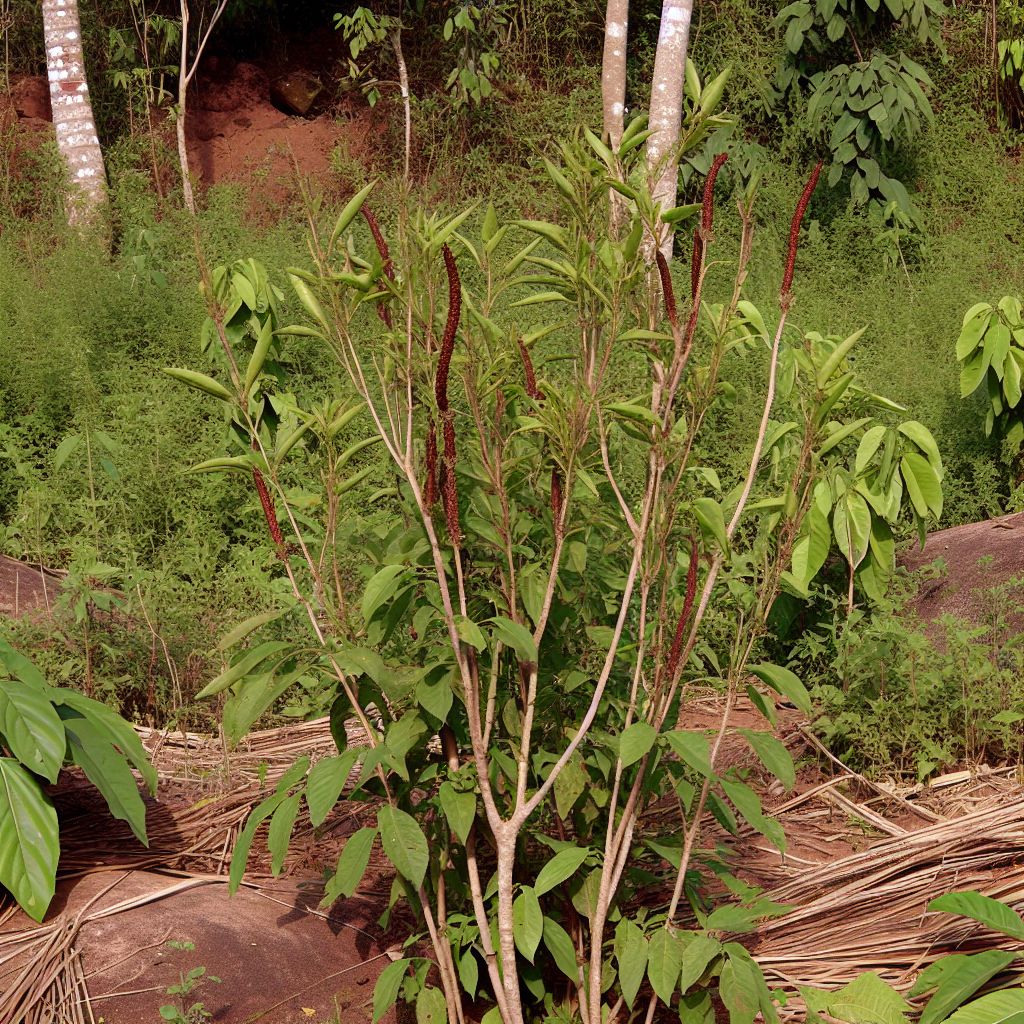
73	122
666	109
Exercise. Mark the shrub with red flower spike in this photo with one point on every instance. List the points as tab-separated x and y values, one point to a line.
684	616
268	510
794	231
444	360
531	378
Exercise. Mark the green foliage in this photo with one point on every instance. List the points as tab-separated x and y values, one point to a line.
185	1010
42	729
990	350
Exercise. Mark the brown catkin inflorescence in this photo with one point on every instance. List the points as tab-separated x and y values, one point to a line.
531	378
556	500
794	231
449	495
707	210
675	653
430	488
385	255
696	258
668	294
444	360
268	510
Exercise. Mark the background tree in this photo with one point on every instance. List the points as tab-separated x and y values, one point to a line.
73	121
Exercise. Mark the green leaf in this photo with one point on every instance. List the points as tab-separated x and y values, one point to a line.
851	522
741	989
867	1000
563	865
349	211
31	727
459	809
66	449
280	833
631	956
385	992
538	297
664	963
528	922
784	682
868	446
240	854
355	855
200	382
516	636
772	753
404	843
470	633
1005	1007
254	695
324	784
381	588
309	301
118	732
976	320
569	786
693	749
29	843
962	981
983	909
635	742
435	697
259	354
562	951
90	748
431	1006
712	520
922	437
242	667
922	485
835	358
696	957
250	625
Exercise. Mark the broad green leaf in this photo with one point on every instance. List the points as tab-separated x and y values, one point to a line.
240	854
324	784
559	945
66	449
739	992
975	322
960	983
459	809
851	523
404	843
563	865
90	748
569	786
868	1000
516	636
748	803
693	749
431	1006
697	956
922	437
381	588
773	754
31	728
118	732
983	909
635	742
280	833
528	922
470	633
868	446
385	992
664	963
922	485
355	855
349	211
469	971
631	956
253	697
29	843
835	358
784	682
712	520
1004	1007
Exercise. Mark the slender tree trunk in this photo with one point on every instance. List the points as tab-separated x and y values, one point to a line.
613	69
184	77
73	122
666	109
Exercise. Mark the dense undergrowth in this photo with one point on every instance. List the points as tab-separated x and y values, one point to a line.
93	441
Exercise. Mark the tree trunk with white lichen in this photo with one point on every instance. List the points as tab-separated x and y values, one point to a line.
73	122
666	108
613	88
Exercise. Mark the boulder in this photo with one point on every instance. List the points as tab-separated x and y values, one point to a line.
295	93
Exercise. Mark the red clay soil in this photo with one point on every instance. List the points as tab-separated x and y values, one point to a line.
25	588
977	556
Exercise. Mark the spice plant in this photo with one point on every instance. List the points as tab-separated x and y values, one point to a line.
559	568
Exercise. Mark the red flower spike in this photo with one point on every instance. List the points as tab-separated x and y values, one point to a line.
430	490
268	510
707	210
449	494
667	291
389	271
531	378
684	616
444	360
695	265
794	230
556	500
